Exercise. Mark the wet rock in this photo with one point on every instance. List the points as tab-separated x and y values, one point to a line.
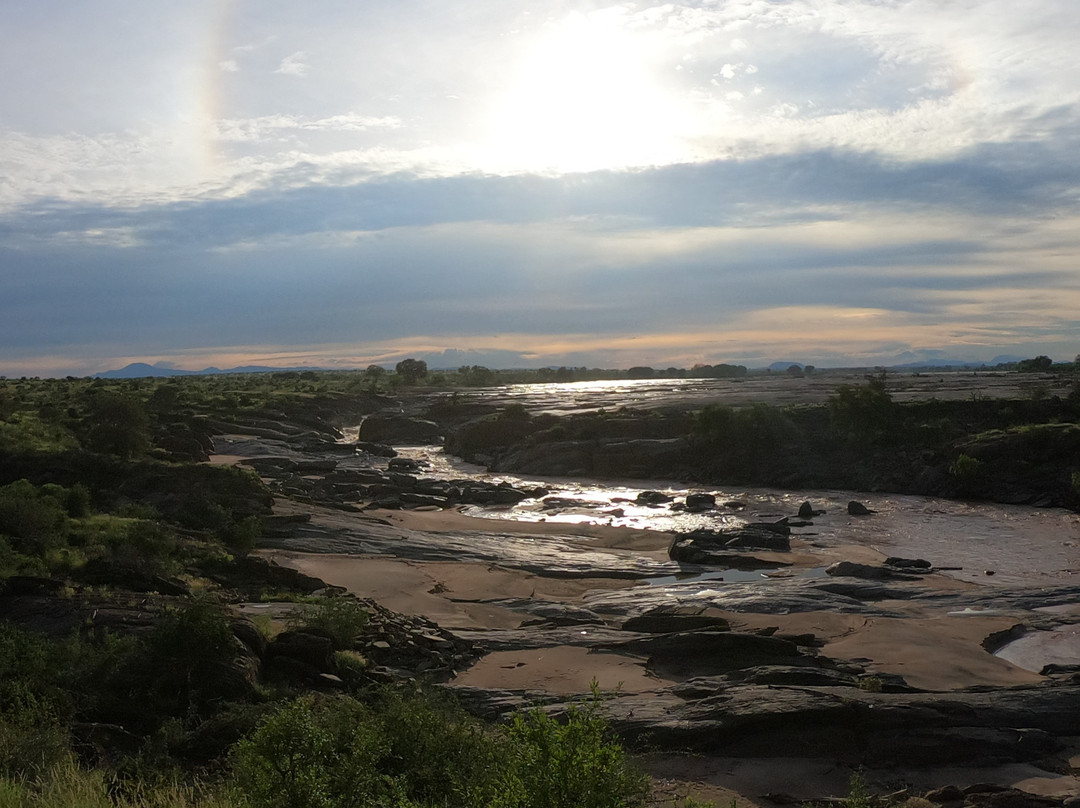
406	464
703	546
849	569
375	449
653	498
806	511
858	509
565	503
700	502
908	563
638	459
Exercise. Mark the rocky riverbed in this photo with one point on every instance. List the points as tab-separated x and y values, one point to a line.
772	641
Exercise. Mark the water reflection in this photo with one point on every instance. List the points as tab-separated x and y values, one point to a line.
1016	544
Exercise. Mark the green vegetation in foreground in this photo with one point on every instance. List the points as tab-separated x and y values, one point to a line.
102	509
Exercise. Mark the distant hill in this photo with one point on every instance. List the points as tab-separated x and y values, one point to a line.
141	370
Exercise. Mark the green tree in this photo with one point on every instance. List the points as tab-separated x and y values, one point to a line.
117	424
864	413
411	370
1037	365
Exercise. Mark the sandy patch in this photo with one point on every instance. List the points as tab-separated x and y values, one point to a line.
562	669
933	653
450	593
748	780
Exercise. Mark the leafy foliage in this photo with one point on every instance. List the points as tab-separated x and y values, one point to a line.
864	414
573	764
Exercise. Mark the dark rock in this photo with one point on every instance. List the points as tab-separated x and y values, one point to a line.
908	563
182	447
864	591
673	618
806	511
653	498
315	466
32	585
310	649
858	509
849	569
400	430
234	680
269	464
702	546
246	631
1009	798
700	653
1056	669
700	502
376	449
561	614
792	676
638	459
945	794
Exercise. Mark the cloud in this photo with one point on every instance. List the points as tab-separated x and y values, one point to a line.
294	65
777	167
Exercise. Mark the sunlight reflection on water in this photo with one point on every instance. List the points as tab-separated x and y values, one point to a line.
1017	544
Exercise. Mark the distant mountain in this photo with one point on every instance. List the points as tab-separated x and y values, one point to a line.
141	370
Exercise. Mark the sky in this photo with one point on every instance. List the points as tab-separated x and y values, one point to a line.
519	183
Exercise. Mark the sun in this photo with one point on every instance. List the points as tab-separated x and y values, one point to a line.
586	95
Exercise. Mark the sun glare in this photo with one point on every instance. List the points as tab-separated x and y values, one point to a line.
586	95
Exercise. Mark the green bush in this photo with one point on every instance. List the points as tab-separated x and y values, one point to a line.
411	751
340	619
185	655
31	738
968	473
575	763
315	754
35	520
864	414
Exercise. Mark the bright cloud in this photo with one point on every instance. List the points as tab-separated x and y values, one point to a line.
642	181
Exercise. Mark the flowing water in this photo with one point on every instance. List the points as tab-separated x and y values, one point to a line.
989	544
986	543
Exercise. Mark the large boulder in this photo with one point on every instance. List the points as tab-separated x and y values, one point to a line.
400	430
707	653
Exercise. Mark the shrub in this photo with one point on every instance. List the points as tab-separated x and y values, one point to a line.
31	738
863	413
340	619
967	472
34	520
313	754
573	764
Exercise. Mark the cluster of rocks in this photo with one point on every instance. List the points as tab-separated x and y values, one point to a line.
718	547
327	482
391	647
